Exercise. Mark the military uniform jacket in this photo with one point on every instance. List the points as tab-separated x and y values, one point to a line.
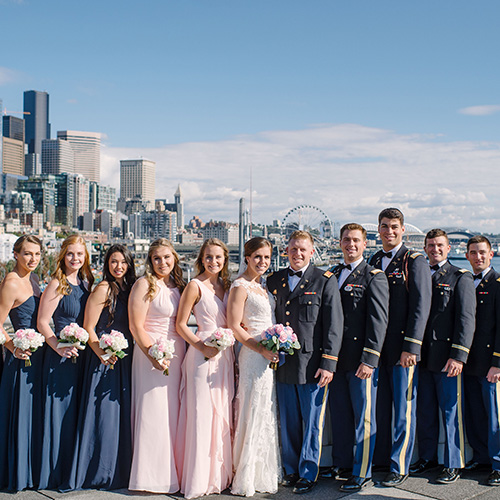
485	350
314	311
410	292
451	324
365	302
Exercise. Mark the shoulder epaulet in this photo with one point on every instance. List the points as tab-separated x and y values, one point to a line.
328	274
376	271
463	271
414	255
498	279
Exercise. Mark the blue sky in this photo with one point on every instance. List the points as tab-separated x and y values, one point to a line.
351	105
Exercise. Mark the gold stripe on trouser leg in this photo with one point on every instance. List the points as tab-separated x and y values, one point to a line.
402	455
497	394
321	423
460	421
367	428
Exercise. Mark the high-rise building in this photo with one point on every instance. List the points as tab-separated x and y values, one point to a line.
12	145
87	152
36	107
57	157
43	190
179	208
137	180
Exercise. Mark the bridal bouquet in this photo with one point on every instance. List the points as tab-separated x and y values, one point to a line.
162	349
113	344
73	335
221	339
279	338
28	339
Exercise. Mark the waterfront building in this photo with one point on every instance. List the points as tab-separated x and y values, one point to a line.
37	128
86	148
137	181
154	225
227	232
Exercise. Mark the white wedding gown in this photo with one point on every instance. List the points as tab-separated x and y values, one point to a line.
256	461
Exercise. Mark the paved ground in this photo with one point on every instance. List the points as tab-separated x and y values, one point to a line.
471	485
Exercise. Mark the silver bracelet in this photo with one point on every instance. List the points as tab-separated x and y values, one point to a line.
14	351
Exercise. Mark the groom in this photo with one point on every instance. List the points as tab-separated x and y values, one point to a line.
307	300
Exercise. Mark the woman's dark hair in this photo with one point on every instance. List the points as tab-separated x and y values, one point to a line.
255	244
114	288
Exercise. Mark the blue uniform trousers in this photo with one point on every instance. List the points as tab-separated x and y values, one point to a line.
437	391
482	419
352	409
302	416
397	390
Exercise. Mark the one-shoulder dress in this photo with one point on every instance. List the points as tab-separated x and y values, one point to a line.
104	442
62	381
256	460
21	409
155	401
203	446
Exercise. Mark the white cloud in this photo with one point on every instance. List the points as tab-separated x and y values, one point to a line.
8	75
488	109
349	171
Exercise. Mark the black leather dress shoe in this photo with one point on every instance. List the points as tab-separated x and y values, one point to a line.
472	465
394	479
422	465
303	486
290	479
448	476
494	478
334	472
355	483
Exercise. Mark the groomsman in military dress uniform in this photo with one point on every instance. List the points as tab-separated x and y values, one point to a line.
482	372
409	305
447	341
353	392
308	300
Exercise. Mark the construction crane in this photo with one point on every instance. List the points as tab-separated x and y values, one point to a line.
5	112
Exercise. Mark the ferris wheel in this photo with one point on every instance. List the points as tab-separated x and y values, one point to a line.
313	220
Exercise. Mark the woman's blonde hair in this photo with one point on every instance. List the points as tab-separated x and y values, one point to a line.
150	275
84	273
224	274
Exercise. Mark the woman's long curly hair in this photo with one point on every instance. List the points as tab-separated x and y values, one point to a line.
150	275
84	273
114	288
224	274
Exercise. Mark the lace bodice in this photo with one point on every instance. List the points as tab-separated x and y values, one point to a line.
257	315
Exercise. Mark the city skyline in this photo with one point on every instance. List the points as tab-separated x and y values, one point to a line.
350	106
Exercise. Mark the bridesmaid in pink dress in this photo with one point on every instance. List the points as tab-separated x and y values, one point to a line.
153	304
203	445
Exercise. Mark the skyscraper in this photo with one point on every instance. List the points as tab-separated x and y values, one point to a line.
137	180
12	145
87	152
37	128
57	157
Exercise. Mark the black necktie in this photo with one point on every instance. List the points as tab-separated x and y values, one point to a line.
291	272
435	267
387	254
478	276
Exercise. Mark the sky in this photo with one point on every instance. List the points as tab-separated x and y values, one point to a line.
347	105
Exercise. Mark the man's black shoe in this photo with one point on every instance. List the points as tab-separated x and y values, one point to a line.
422	465
394	479
303	486
334	472
290	479
494	478
448	476
472	465
355	483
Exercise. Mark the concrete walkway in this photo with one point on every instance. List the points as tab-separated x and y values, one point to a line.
471	485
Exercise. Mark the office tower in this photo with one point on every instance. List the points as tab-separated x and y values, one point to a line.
87	151
43	190
12	145
37	128
57	157
179	208
137	180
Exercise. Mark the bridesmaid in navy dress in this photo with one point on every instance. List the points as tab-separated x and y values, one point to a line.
64	301
21	387
104	451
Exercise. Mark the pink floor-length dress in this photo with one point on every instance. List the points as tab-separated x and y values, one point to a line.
155	402
203	446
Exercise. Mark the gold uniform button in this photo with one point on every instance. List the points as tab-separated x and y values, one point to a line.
355	338
287	313
301	286
309	302
448	340
287	323
287	303
488	345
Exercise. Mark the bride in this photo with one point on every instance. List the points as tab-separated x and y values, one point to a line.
255	447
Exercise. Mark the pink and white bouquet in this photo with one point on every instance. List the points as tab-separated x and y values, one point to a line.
221	339
113	344
279	338
28	340
73	335
162	349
